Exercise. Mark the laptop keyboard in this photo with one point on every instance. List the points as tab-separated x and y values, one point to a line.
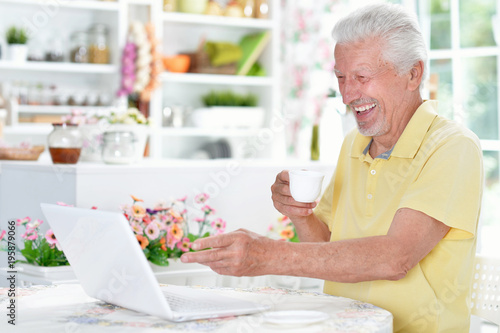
185	304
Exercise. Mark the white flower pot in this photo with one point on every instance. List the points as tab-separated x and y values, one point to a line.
17	52
228	117
51	273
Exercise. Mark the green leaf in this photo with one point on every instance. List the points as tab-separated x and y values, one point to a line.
158	256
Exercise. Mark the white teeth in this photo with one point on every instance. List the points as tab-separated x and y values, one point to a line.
364	108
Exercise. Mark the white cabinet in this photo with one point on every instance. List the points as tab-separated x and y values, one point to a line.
177	32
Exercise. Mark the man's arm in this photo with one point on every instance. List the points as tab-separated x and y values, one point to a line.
410	238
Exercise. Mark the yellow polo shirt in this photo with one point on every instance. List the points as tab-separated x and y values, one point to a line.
436	168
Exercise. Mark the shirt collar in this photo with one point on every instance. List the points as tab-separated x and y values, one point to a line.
410	140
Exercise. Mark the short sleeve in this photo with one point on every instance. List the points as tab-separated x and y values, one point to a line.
449	186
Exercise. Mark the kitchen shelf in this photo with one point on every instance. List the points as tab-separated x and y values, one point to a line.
38	129
64	67
78	4
221	21
207	132
58	109
216	79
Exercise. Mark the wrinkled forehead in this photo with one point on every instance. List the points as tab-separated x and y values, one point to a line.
364	54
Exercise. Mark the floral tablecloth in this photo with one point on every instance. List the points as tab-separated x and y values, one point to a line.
66	308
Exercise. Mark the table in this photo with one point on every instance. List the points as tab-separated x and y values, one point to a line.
66	308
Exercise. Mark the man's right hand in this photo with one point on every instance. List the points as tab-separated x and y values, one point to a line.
283	201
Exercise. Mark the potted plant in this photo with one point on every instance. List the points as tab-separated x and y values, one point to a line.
16	40
227	109
42	254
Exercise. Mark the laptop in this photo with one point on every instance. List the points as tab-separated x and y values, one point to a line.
110	265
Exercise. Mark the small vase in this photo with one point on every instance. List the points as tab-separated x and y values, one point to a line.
65	143
17	52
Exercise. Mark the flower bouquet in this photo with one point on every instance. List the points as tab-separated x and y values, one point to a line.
39	249
283	230
166	231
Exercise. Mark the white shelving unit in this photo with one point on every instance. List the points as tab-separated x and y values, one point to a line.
62	67
177	32
182	33
45	20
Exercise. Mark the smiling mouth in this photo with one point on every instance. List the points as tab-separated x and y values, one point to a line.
360	110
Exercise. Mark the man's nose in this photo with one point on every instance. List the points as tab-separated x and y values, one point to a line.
350	90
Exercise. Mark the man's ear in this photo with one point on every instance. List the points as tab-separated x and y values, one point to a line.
415	76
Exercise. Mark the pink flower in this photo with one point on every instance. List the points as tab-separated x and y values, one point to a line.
171	241
208	210
50	237
183	199
2	235
30	235
23	221
34	225
136	227
184	244
219	225
201	198
152	231
199	219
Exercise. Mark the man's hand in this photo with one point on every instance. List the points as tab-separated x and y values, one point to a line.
283	201
238	253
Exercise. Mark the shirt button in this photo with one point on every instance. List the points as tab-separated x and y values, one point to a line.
373	172
369	196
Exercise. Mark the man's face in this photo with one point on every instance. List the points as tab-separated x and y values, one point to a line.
372	87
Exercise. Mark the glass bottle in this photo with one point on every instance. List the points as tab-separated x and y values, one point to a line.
79	47
248	8
315	143
119	147
99	48
65	143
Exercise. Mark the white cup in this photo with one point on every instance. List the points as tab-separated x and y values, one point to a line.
305	185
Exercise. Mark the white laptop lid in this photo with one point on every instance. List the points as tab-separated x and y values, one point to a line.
107	259
110	265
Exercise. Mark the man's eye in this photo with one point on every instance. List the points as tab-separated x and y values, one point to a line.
362	78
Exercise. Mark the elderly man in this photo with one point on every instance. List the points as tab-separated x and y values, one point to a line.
397	224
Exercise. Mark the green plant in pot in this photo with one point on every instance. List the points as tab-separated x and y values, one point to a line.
16	40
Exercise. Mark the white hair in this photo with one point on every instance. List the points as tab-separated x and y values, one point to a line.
402	41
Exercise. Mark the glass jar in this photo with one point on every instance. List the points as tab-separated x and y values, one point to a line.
79	47
65	143
55	51
262	9
99	47
119	147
